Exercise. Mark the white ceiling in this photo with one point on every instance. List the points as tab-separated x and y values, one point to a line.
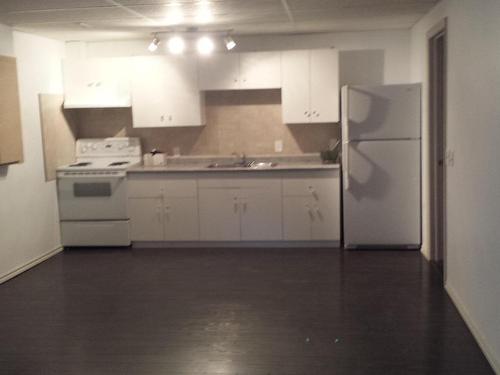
120	19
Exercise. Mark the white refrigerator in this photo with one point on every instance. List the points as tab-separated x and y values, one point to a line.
381	166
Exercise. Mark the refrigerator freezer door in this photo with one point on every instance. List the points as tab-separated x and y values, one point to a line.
382	202
382	112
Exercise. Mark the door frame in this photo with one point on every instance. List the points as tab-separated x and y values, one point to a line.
437	145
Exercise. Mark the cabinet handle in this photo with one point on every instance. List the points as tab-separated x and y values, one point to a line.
158	213
235	204
318	213
244	206
305	113
169	118
313	192
162	118
167	213
309	211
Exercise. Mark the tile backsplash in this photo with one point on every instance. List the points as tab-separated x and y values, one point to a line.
246	121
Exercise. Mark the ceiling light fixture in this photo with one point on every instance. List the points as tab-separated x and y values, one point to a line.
153	46
204	14
229	42
176	45
205	45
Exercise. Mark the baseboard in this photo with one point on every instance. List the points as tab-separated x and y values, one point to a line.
11	274
488	352
236	244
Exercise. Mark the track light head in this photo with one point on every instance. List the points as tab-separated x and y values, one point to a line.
229	42
153	46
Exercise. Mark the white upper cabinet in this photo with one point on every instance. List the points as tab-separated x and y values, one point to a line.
96	83
165	92
243	71
219	71
260	70
325	90
310	86
295	98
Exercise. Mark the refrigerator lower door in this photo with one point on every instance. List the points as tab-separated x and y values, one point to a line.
382	198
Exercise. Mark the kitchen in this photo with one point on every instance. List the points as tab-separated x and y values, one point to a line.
242	131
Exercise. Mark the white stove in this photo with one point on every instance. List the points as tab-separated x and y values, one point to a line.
92	192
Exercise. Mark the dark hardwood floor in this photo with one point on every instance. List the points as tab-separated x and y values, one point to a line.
233	311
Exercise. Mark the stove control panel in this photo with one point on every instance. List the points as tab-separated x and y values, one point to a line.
108	147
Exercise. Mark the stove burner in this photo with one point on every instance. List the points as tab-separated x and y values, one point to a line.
117	163
81	164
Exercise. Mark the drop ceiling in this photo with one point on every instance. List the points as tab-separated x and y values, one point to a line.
122	19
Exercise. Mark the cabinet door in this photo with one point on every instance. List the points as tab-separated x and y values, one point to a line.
260	70
219	72
297	216
326	216
219	214
150	82
181	219
186	106
146	219
295	90
96	83
165	92
324	73
261	213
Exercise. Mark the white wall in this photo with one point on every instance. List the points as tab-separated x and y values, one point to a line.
473	132
29	226
373	57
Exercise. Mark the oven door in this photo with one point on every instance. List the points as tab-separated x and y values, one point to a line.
85	197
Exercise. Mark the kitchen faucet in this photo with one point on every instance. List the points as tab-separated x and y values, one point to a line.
242	158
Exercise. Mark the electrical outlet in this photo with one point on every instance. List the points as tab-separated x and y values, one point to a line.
278	145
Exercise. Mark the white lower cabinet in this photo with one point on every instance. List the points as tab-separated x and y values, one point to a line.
163	209
219	214
311	207
146	219
181	219
290	206
261	213
296	219
240	209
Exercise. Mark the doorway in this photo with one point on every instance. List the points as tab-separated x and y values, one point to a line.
437	159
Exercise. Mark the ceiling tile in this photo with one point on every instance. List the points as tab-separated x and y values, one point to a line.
100	19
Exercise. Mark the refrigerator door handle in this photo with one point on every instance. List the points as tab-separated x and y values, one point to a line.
345	136
345	162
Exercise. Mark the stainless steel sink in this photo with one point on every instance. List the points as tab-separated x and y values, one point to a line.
262	164
250	165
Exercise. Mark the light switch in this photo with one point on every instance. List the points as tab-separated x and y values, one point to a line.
450	158
278	145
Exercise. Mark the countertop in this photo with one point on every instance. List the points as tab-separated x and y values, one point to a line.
204	168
